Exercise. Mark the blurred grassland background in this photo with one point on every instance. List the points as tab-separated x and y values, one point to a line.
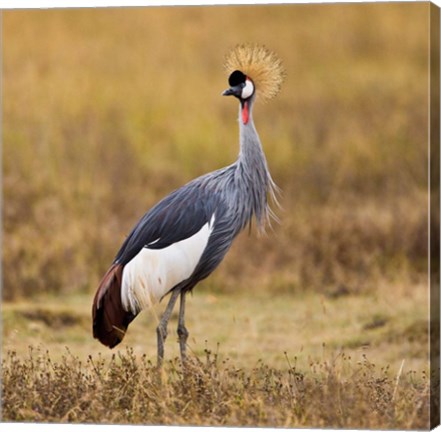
106	111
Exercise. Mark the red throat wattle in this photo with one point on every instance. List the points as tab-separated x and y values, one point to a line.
245	113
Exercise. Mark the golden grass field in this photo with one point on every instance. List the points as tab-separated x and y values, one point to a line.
106	111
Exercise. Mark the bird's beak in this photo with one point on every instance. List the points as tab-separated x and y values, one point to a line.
233	91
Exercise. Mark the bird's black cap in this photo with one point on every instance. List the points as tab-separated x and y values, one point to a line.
237	77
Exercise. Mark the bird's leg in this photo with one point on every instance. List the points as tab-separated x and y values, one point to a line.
161	330
182	331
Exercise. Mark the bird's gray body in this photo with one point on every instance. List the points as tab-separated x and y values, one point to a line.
233	194
184	237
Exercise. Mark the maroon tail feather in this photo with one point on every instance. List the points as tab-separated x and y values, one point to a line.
110	319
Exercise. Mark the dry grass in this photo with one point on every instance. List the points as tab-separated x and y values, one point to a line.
303	362
336	392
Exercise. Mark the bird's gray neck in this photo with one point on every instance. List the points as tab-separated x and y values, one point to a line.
251	155
253	177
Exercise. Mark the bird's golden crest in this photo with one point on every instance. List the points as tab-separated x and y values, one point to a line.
263	66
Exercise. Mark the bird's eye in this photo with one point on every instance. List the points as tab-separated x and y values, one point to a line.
248	89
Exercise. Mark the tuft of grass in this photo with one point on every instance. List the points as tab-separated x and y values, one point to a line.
333	392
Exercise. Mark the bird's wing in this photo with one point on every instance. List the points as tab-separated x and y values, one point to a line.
179	241
177	217
162	250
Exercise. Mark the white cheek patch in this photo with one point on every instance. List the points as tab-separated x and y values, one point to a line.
248	90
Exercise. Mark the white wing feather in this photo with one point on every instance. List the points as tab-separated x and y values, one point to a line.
154	272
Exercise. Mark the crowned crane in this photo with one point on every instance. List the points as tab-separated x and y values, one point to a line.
184	237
